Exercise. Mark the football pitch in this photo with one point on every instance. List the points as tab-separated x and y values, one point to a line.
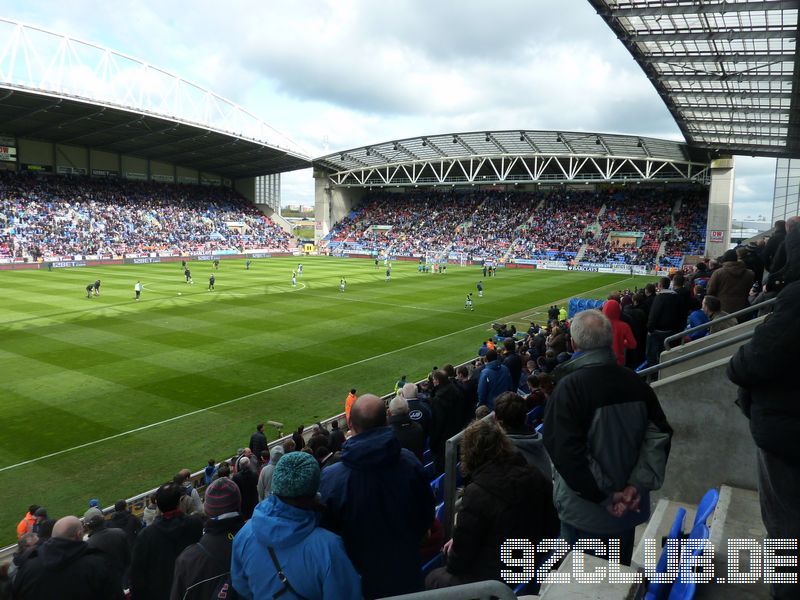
108	397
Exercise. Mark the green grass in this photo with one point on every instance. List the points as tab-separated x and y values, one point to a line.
76	371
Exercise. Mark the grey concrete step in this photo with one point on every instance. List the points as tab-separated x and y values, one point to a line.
738	516
583	591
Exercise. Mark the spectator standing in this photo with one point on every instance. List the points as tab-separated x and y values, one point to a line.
448	417
203	568
623	335
159	544
510	413
258	441
28	521
247	482
281	550
407	432
764	370
506	499
184	480
265	477
210	471
64	568
713	310
608	439
774	242
512	361
494	380
122	519
298	439
732	283
380	501
336	438
637	319
664	320
112	542
419	409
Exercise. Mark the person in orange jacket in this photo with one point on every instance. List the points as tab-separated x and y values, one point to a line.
28	521
351	397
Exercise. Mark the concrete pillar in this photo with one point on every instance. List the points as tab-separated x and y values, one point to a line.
322	205
720	206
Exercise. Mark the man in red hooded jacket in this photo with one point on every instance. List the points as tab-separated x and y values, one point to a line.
623	336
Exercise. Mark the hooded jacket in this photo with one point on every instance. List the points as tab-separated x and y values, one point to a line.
265	477
379	500
623	335
731	284
530	444
154	554
62	569
495	379
604	429
505	500
763	368
204	566
408	433
312	559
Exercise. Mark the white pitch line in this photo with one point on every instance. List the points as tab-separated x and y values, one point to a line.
233	400
250	395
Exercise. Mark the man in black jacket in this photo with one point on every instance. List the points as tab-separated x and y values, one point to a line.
64	567
512	361
258	441
771	248
408	433
202	568
608	439
447	416
764	369
112	542
159	544
122	518
665	319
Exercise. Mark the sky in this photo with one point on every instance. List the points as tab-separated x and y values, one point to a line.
338	74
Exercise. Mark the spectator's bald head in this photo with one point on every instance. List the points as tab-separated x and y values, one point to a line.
68	528
368	412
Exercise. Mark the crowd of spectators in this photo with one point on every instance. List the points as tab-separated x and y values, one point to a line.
546	225
43	216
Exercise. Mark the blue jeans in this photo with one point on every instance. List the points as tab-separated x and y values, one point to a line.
572	534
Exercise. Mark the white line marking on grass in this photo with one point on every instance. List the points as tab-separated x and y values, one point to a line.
250	395
233	400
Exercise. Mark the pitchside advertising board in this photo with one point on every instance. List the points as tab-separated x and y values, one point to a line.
557	265
66	264
141	260
8	149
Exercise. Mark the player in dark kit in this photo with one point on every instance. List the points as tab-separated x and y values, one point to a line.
89	290
188	274
247	264
211	283
97	287
183	265
216	264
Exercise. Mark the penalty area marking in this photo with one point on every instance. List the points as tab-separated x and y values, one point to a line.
250	395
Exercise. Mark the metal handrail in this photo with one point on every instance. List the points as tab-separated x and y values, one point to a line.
732	315
702	351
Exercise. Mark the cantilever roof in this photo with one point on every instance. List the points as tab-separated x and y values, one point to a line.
727	69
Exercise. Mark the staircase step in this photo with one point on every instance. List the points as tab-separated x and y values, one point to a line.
738	516
582	591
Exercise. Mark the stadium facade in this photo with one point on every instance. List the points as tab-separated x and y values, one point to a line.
71	107
786	199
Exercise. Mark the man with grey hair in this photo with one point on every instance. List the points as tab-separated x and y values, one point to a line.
65	567
419	409
408	433
608	440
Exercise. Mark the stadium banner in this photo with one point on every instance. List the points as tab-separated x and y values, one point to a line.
526	261
141	260
552	265
258	254
36	168
104	173
204	257
64	264
588	268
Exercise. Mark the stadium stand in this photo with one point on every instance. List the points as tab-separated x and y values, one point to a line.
548	225
50	217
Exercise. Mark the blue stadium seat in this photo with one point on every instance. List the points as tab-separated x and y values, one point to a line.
437	487
434	563
659	591
685	590
427	456
440	512
430	470
539	427
534	415
706	507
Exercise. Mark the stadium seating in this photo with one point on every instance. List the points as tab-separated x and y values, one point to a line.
67	217
657	590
